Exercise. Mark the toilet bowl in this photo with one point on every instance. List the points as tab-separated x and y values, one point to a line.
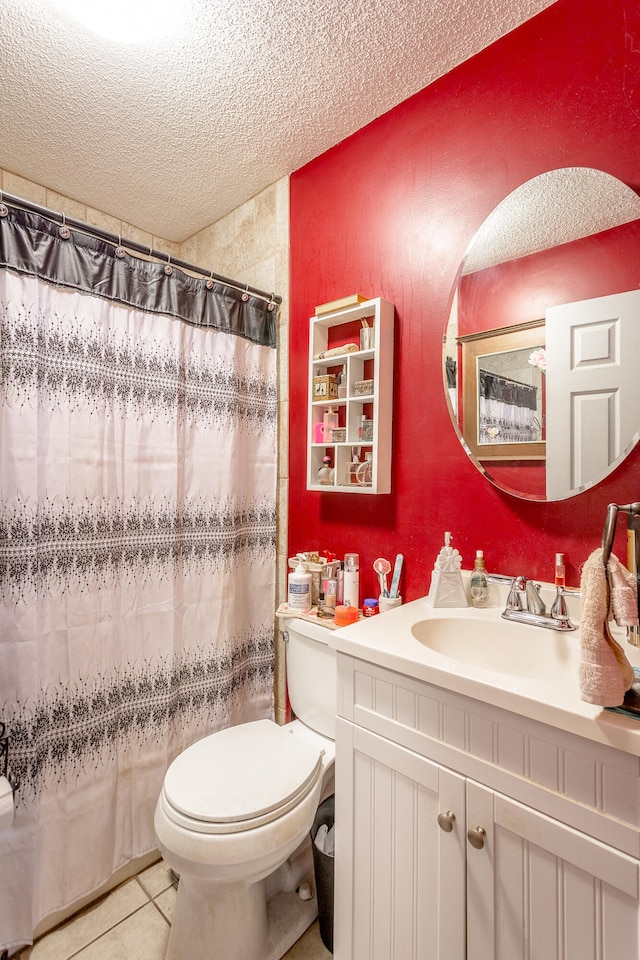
234	815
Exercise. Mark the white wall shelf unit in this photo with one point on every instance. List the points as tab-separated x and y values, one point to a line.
330	332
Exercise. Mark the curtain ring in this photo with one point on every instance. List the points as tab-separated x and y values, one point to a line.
4	209
271	305
245	295
209	284
168	268
120	253
64	231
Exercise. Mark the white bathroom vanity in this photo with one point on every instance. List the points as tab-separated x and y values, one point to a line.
483	810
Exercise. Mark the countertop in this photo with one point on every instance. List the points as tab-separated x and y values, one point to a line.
387	641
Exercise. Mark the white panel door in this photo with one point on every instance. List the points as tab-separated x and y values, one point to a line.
592	388
540	890
405	897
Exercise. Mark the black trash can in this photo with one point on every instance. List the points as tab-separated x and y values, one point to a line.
324	869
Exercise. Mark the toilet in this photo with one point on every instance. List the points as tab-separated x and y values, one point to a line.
235	812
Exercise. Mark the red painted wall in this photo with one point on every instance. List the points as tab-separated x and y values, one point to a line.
520	290
389	212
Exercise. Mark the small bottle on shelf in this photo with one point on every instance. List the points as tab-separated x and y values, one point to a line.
352	466
342	384
325	472
330	423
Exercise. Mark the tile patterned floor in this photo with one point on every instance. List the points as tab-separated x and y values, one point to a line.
132	923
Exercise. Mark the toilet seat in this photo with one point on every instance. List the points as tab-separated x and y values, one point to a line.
267	772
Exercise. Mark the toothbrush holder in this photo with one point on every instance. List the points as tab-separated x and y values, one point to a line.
388	603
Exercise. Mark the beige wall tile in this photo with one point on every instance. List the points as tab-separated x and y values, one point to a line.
71	208
134	233
103	221
25	189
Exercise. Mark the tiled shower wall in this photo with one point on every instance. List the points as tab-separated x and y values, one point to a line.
249	245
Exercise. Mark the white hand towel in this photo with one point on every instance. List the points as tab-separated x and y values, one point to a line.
605	672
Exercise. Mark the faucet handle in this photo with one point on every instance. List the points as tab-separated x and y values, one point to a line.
559	609
535	603
514	601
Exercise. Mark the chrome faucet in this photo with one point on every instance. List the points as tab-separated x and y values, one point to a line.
534	611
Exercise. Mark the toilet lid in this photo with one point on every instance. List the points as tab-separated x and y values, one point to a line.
247	772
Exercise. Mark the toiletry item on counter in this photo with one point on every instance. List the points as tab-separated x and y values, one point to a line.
352	579
382	567
319	565
370	607
340	588
299	587
478	583
389	603
559	577
327	605
345	614
395	580
447	588
330	422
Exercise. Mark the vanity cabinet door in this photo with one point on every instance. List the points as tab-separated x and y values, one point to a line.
540	890
400	875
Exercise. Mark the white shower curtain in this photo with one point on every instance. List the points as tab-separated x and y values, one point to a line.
137	548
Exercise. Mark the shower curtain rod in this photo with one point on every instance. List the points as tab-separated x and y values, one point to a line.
119	241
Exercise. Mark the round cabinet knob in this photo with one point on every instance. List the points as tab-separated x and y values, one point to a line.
476	837
446	821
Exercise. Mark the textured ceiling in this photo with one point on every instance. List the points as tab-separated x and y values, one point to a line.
172	136
557	207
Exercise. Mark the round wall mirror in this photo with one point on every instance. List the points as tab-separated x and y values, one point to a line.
542	343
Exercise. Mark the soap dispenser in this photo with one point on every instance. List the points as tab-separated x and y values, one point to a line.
299	587
447	588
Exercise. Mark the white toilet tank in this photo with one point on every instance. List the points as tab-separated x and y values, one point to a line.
311	675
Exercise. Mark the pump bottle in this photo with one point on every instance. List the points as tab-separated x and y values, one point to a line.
352	579
299	588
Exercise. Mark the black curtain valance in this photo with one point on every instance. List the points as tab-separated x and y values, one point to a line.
32	244
493	387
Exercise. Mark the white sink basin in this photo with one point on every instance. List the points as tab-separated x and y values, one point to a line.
501	646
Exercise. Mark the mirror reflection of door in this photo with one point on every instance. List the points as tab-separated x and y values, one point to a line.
593	397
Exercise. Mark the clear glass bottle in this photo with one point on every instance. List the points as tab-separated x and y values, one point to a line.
330	423
352	466
478	584
342	384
